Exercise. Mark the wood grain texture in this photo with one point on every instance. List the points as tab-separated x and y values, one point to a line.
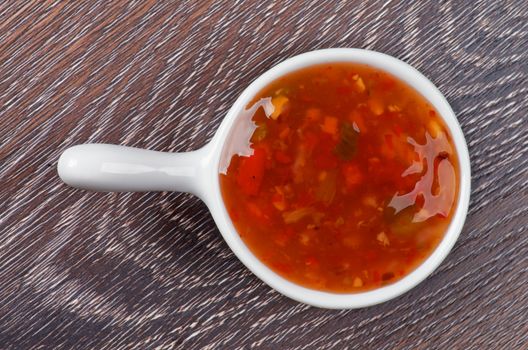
138	271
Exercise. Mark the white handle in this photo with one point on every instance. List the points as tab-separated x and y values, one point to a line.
112	168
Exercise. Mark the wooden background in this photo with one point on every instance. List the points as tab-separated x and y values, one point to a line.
92	270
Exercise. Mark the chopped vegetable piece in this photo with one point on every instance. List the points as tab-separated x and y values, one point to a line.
260	133
383	239
434	128
304	238
298	165
376	106
282	91
394	108
296	215
358	282
370	201
330	125
326	190
347	146
387	276
278	201
360	85
279	103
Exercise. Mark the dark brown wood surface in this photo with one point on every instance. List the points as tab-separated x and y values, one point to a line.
116	271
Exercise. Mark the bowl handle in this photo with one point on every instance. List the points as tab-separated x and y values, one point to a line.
112	168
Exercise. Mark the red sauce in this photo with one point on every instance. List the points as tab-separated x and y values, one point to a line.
352	181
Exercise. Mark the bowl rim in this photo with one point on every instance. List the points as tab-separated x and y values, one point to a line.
323	299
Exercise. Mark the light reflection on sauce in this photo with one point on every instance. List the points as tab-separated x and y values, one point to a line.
444	173
239	141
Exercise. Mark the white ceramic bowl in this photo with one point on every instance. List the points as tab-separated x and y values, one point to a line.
103	167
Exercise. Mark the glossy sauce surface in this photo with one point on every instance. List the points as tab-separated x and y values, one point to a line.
340	177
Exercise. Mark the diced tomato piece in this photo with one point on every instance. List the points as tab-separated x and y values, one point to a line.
330	125
251	172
